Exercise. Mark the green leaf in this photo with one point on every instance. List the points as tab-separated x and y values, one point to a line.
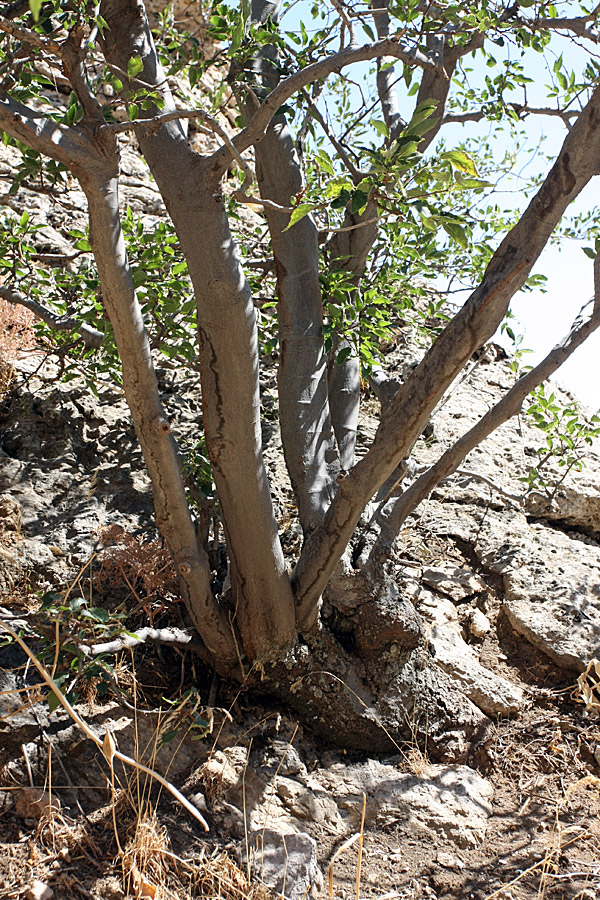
337	185
239	33
468	183
133	112
359	201
456	232
422	128
24	219
343	355
405	149
35	7
134	66
53	701
423	111
301	210
589	252
460	160
324	162
179	267
380	127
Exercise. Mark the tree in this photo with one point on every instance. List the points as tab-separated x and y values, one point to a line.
328	218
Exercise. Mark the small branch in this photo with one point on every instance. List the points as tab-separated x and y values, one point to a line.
356	174
349	227
508	406
478	115
58	259
114	753
174	636
516	498
346	23
30	37
267	265
155	123
73	55
134	82
90	337
577	25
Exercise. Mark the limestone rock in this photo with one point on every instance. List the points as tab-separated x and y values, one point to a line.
479	624
457	583
287	863
452	801
490	692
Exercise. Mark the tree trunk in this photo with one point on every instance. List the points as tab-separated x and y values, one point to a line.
309	445
308	441
227	333
173	518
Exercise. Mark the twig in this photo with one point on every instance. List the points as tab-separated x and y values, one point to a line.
475	475
107	746
161	635
346	23
90	336
349	227
332	138
30	37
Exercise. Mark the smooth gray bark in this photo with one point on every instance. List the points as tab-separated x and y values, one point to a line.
307	435
227	332
308	440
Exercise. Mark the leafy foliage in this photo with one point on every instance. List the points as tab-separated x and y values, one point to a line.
568	436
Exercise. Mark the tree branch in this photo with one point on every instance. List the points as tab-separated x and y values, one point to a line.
509	406
73	56
90	336
174	636
521	110
257	126
26	36
70	145
577	25
409	411
316	112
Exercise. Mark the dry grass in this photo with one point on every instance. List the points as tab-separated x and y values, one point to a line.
146	567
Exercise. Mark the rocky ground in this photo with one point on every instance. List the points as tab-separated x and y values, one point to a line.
511	594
